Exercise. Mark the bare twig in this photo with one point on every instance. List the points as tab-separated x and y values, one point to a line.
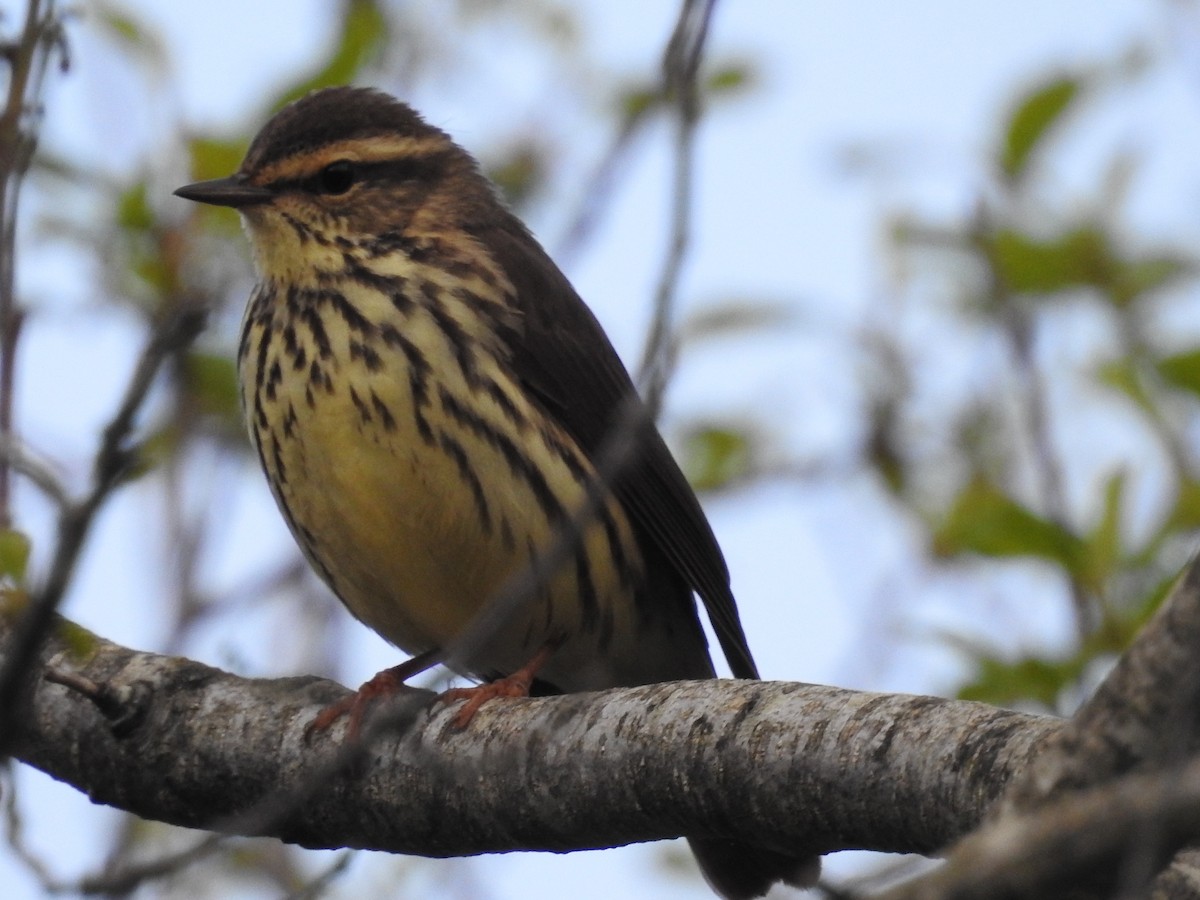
1018	324
15	836
317	886
681	63
112	461
27	58
22	460
125	880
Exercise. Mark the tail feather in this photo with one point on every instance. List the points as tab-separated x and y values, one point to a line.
741	871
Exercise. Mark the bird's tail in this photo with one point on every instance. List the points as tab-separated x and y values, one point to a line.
741	871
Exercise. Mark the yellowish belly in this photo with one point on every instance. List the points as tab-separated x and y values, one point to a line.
418	495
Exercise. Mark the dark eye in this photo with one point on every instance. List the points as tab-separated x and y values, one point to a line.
336	177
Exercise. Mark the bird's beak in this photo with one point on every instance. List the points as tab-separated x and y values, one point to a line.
232	191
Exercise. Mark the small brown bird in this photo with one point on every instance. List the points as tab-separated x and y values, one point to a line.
429	396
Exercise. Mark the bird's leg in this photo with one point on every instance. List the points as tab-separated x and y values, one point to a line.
387	683
515	685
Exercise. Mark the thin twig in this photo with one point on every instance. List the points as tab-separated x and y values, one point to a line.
27	59
681	63
112	462
1018	328
600	190
22	460
126	880
15	835
317	886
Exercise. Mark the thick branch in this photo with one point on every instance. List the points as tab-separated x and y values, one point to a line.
1145	714
1143	718
187	744
1110	840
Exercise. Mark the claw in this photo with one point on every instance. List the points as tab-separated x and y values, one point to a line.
387	683
515	685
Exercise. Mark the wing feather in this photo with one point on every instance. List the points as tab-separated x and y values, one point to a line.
564	357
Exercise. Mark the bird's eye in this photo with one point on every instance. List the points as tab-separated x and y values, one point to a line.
336	177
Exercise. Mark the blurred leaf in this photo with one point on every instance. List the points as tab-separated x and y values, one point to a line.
985	520
1005	683
1138	277
1082	256
1035	114
714	456
153	452
1122	375
520	173
1182	370
737	316
80	643
13	602
134	37
1186	514
133	212
730	78
1102	547
364	34
883	448
14	555
1121	624
212	382
213	158
636	102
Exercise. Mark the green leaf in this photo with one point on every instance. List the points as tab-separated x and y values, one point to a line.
135	37
1102	547
364	34
81	644
714	456
1033	118
637	102
213	158
730	78
1082	256
520	173
133	212
1186	514
1122	375
14	555
1005	683
985	520
1138	277
1182	370
212	382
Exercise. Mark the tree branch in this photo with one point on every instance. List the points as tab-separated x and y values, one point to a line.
197	747
1111	840
1056	827
1145	714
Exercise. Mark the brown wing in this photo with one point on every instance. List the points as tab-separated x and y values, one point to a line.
566	359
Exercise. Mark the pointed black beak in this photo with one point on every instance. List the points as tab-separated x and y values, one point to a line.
232	191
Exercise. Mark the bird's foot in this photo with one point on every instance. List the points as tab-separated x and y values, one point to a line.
387	683
515	685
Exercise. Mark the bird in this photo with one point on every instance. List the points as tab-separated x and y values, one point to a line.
430	400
